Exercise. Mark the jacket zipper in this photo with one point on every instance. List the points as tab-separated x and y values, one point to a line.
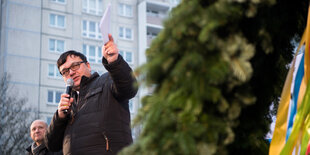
76	108
106	142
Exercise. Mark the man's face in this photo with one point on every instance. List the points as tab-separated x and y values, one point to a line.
37	131
76	75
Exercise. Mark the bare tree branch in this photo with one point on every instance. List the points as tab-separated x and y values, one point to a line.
15	120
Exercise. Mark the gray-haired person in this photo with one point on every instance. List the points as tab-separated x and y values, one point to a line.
37	132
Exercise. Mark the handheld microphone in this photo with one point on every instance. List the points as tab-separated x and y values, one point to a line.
69	86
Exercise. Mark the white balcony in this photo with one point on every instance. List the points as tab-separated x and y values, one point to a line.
161	2
158	21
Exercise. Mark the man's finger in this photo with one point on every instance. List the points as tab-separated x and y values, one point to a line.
110	49
108	45
104	51
65	95
65	104
111	38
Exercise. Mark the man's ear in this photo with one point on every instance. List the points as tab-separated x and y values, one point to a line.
88	65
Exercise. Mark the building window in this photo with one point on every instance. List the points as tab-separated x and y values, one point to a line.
48	120
152	13
59	1
127	56
151	35
53	71
125	10
57	21
93	53
53	96
131	106
125	33
57	46
91	29
93	6
133	133
175	2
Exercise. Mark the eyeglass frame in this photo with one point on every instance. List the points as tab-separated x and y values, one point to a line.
78	64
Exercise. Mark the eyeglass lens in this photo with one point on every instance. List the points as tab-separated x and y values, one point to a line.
75	66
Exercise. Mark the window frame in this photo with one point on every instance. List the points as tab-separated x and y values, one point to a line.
57	1
56	41
56	74
86	33
124	55
54	102
98	54
122	8
56	21
97	10
124	28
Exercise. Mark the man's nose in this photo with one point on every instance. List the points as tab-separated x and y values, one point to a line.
71	72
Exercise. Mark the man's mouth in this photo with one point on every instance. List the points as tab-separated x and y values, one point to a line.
75	78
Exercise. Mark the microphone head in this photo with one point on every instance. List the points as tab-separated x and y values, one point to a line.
70	82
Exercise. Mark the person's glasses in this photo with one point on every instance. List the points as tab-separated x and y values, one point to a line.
75	66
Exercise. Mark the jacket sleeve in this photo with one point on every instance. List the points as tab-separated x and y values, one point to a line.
55	133
124	83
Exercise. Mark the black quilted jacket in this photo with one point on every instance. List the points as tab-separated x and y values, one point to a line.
99	122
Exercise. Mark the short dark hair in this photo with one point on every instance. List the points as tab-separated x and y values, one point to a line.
63	57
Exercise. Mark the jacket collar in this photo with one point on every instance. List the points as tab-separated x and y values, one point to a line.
86	80
28	149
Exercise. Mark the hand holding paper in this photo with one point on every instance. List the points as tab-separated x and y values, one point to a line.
109	50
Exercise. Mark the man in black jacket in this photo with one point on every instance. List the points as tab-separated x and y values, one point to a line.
99	117
37	131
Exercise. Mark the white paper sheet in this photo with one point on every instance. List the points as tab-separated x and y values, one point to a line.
105	23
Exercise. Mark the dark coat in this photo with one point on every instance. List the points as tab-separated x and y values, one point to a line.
43	151
100	119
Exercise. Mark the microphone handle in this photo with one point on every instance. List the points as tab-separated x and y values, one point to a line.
68	91
65	111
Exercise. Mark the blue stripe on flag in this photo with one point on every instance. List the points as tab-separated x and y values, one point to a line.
298	79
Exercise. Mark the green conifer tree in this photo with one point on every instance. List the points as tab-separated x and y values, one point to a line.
217	66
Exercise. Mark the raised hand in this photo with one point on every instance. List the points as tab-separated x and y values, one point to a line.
109	50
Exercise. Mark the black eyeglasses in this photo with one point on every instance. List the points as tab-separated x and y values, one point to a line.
75	66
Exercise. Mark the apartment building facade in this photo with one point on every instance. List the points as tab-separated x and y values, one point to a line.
35	32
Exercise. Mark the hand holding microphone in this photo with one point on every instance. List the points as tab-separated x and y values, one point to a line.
69	86
65	101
